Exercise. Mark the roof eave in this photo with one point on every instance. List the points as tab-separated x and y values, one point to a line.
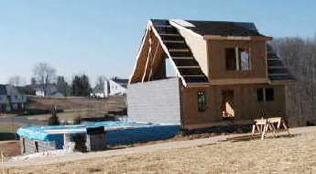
218	37
275	82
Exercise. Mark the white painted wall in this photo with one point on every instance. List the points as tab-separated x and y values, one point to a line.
114	88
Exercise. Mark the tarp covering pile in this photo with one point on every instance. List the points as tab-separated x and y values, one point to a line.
117	132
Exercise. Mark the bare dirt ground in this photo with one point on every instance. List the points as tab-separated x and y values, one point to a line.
10	148
285	154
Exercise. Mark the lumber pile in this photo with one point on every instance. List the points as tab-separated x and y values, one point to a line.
269	125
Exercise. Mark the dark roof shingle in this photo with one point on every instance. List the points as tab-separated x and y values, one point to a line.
223	28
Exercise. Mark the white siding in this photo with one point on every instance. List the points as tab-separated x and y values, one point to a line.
155	101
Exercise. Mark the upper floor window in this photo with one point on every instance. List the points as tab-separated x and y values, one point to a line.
237	59
201	101
265	94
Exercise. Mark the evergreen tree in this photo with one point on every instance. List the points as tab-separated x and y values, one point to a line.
81	86
63	86
53	120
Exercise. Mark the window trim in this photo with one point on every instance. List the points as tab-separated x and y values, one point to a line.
202	104
264	94
238	58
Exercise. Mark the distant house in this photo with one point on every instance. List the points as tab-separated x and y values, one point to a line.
11	99
112	87
116	86
50	91
223	71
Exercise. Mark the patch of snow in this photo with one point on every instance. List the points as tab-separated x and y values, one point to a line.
183	22
50	153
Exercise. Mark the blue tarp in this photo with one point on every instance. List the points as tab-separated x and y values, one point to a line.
117	132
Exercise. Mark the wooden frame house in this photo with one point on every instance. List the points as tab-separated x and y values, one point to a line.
224	71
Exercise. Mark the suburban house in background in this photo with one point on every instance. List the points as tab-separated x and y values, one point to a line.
49	91
223	71
115	86
11	99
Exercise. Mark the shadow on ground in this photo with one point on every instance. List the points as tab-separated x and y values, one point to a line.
4	136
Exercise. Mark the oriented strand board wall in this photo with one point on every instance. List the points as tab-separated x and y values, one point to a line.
155	101
216	53
198	48
245	104
191	115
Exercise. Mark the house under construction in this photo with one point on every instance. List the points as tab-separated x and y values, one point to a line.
223	70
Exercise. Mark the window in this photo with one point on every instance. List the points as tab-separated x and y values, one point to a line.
237	59
269	94
201	101
265	94
230	59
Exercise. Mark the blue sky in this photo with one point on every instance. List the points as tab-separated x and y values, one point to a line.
102	37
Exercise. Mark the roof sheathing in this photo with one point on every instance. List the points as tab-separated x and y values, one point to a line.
167	52
276	69
188	70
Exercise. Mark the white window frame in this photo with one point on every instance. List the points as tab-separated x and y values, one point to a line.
238	59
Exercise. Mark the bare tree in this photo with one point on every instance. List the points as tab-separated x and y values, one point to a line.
100	85
44	75
299	55
16	81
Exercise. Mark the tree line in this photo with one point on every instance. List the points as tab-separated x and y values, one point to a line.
299	55
44	75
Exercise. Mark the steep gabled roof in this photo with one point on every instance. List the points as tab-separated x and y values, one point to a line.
175	48
122	82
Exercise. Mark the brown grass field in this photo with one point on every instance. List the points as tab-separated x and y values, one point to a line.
295	154
76	106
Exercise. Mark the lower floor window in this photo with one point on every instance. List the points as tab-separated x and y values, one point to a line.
201	101
265	94
227	106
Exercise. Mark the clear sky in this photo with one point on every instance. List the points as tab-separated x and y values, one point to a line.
100	37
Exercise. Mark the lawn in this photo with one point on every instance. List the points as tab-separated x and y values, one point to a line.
295	154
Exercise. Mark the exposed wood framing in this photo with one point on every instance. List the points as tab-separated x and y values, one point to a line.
152	62
148	58
139	53
164	47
